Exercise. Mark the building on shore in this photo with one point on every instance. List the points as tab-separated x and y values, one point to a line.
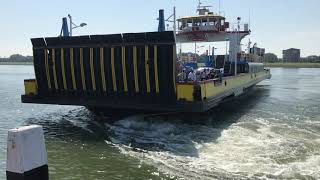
256	54
291	54
188	57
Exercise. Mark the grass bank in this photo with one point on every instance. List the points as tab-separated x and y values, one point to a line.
16	63
293	65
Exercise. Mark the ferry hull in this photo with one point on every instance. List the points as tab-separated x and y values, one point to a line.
235	86
133	71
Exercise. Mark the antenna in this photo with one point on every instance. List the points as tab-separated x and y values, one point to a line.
202	9
249	19
199	5
249	45
219	7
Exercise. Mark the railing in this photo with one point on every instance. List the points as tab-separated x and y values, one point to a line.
234	27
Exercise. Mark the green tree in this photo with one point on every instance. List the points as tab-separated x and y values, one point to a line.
270	57
19	58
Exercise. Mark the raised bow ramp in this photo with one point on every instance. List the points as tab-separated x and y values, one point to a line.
133	70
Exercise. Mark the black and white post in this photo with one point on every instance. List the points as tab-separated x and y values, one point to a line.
26	154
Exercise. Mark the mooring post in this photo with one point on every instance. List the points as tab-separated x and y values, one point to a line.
26	154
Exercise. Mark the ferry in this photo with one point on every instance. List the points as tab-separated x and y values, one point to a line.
138	71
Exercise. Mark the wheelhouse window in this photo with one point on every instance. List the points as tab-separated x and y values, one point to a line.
204	22
189	24
212	21
222	22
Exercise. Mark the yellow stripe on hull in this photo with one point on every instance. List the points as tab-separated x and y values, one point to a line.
103	75
56	86
73	77
65	87
146	63
124	70
185	91
135	70
113	71
93	78
83	79
228	84
156	76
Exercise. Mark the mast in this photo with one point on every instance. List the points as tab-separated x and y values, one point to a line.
174	20
70	18
64	29
219	7
238	47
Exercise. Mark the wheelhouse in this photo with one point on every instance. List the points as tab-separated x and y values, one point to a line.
204	21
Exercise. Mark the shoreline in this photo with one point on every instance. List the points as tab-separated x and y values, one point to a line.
292	65
16	63
272	65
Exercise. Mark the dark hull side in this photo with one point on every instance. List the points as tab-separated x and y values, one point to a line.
122	103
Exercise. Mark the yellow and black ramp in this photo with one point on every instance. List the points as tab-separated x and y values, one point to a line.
133	67
40	55
135	63
109	64
163	46
66	58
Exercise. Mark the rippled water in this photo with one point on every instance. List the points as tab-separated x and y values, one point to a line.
273	132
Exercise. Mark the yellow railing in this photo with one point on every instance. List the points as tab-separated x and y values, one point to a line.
31	87
208	89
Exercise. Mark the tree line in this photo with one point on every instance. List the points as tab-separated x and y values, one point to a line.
17	58
270	57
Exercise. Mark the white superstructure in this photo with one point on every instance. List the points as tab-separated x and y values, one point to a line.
208	26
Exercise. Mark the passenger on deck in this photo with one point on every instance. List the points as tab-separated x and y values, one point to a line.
221	70
191	76
203	76
207	71
212	74
198	76
182	76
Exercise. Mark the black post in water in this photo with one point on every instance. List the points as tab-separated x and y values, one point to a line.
26	154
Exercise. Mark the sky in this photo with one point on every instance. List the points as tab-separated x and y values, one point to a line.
275	24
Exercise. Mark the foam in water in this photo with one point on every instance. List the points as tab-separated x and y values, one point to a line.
246	149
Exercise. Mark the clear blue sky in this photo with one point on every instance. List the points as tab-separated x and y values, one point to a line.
275	24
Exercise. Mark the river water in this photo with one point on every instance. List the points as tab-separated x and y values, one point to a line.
273	132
